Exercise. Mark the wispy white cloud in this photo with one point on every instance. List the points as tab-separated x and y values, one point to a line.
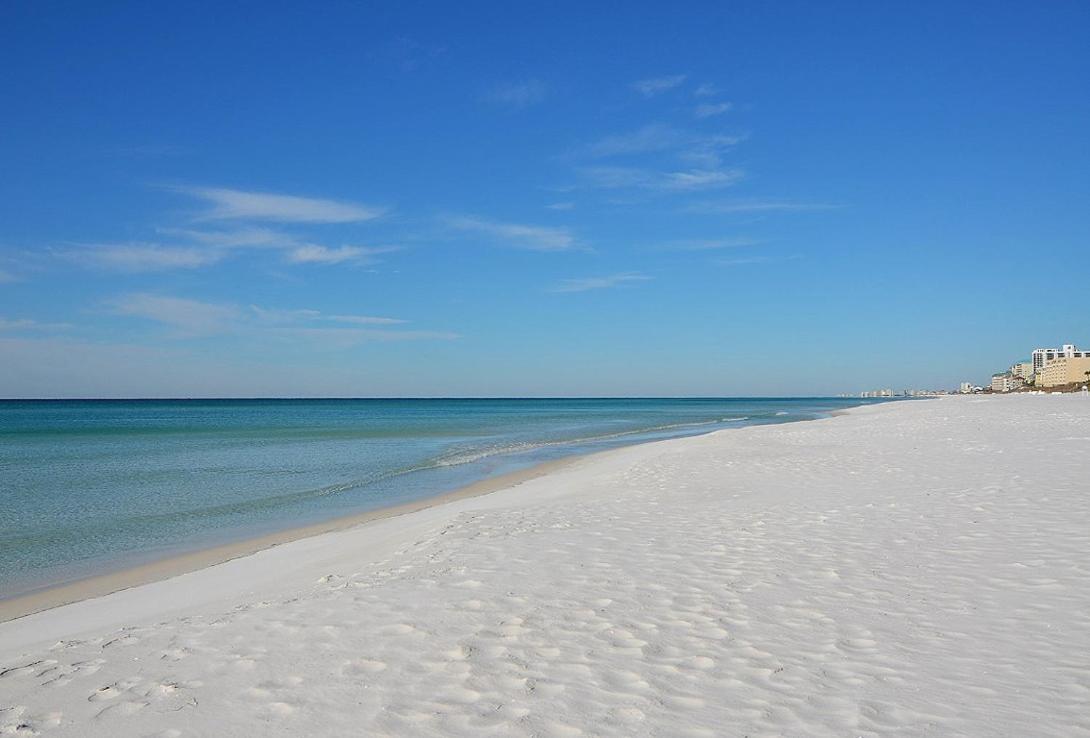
26	324
757	206
657	85
517	235
364	320
517	94
348	337
190	317
708	110
305	324
194	318
282	316
701	153
315	254
296	251
210	247
652	137
708	151
142	257
584	284
235	238
656	137
742	260
229	204
705	89
701	179
676	181
709	244
745	260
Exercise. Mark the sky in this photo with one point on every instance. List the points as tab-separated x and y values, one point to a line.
504	199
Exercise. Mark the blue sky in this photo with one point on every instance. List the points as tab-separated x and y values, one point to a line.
375	199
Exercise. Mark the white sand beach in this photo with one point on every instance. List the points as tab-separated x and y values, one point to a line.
915	568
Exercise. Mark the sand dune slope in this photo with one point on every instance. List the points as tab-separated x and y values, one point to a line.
909	569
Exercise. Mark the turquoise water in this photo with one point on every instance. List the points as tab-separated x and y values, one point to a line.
91	486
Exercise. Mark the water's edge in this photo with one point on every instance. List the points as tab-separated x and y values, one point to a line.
53	595
56	595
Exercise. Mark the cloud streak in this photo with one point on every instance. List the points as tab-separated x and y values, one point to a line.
657	85
194	318
315	254
364	320
142	257
656	137
676	181
728	207
746	260
211	247
26	324
697	159
652	137
190	317
230	204
517	235
585	284
348	337
709	110
239	238
711	244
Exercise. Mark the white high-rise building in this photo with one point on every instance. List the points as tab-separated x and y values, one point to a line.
1042	356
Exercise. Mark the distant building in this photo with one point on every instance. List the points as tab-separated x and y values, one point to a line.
1042	356
1023	369
877	393
1064	370
1005	382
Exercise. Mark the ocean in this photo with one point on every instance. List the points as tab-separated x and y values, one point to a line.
92	486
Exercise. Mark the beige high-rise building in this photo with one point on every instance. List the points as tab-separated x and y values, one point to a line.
1023	369
1042	356
1064	370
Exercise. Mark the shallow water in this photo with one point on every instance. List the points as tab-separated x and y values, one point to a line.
90	486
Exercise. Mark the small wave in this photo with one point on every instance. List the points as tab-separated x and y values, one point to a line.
456	458
469	457
783	412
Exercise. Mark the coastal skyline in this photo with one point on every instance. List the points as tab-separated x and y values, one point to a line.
360	201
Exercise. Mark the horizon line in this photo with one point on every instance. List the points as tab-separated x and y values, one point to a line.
448	397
